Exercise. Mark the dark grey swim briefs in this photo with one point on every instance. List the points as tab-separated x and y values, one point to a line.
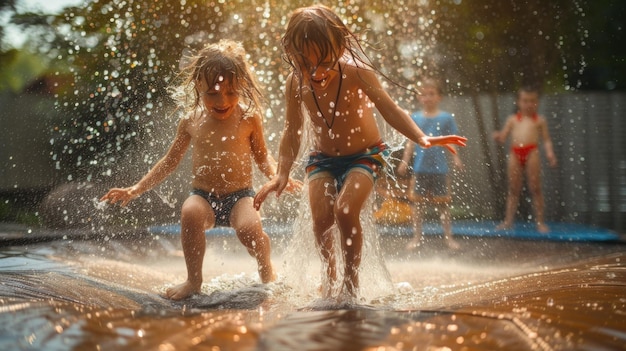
223	204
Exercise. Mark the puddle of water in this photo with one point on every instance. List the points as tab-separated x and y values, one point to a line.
493	294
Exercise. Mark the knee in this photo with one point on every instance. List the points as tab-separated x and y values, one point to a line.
321	227
322	222
251	232
344	213
192	212
248	230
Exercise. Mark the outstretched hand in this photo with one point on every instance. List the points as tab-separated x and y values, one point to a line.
446	141
498	136
276	184
123	195
294	185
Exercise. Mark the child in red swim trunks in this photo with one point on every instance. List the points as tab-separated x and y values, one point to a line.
526	128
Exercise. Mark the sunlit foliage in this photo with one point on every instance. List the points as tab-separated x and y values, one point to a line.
121	55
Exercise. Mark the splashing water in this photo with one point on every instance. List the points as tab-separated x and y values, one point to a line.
122	55
529	296
302	260
143	44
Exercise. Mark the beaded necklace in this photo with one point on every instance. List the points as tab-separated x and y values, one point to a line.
334	110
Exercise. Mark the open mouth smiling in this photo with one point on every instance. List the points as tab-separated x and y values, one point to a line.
221	110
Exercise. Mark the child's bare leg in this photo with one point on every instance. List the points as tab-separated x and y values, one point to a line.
417	214
326	244
263	256
355	191
194	216
515	179
322	194
247	223
534	186
446	224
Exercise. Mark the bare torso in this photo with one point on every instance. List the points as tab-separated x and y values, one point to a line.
354	127
525	131
221	153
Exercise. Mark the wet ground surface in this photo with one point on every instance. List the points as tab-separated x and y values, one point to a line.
89	291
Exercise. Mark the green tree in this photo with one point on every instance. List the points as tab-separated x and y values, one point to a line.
605	59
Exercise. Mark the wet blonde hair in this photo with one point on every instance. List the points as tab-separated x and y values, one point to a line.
217	63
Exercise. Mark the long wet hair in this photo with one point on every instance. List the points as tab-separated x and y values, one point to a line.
318	26
217	63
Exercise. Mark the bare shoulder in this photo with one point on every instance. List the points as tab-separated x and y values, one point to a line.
541	119
186	122
252	119
360	75
511	119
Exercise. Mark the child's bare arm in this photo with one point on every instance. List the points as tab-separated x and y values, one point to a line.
447	141
163	168
501	135
547	142
265	162
292	132
289	145
395	116
457	163
399	119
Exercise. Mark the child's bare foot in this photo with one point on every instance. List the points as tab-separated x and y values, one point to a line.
327	286
325	290
542	228
504	226
182	291
267	274
452	244
350	288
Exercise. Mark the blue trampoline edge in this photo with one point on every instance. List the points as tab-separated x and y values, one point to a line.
469	228
558	231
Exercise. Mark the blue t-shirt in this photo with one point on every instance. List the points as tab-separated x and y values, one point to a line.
434	159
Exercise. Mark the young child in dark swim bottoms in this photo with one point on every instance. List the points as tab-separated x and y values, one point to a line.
526	129
222	205
336	88
223	127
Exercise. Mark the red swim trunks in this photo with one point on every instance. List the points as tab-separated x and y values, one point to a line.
522	152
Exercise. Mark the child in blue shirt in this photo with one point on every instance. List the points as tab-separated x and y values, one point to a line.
429	184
